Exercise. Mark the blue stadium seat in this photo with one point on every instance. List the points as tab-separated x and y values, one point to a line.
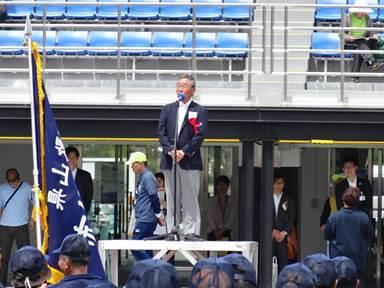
143	12
329	13
99	39
136	43
375	13
51	11
175	12
203	40
80	11
172	40
19	11
50	40
11	38
325	41
237	13
381	12
232	40
111	12
72	39
205	13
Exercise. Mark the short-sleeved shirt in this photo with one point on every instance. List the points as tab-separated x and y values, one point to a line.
83	281
146	189
16	213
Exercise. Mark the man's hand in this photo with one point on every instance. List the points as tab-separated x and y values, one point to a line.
280	236
161	221
218	233
31	224
179	155
322	228
275	233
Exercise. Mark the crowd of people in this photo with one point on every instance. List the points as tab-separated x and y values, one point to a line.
319	271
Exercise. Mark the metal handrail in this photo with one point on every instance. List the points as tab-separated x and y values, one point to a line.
250	26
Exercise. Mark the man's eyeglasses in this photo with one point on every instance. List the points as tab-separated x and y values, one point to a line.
184	86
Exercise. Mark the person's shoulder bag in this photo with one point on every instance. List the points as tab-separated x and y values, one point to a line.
13	194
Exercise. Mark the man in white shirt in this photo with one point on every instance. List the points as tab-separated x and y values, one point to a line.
192	122
283	220
350	168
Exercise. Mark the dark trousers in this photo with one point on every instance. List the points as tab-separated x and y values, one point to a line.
280	250
8	234
362	44
143	230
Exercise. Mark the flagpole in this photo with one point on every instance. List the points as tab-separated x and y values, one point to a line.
35	189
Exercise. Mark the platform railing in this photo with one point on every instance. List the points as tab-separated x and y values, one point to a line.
266	26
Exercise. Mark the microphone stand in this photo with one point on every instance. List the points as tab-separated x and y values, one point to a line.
174	235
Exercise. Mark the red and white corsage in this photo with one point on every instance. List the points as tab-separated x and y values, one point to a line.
195	125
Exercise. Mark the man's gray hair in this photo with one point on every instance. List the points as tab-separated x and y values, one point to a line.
190	78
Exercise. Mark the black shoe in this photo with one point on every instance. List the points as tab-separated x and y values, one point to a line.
355	80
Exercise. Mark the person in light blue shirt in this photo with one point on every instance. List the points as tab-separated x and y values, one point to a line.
16	200
147	206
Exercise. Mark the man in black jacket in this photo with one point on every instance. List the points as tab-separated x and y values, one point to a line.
82	178
283	219
366	194
192	122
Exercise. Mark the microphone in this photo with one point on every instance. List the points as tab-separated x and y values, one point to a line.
180	96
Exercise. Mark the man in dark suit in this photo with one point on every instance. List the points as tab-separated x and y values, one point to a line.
283	219
82	178
366	194
192	122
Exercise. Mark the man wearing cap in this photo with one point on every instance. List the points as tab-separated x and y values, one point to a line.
245	273
29	268
296	275
346	272
74	256
192	123
213	273
147	205
324	269
363	39
153	273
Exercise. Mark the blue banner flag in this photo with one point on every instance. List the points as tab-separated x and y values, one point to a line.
62	212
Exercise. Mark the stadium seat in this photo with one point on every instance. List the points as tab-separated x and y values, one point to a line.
172	40
381	12
72	39
175	12
375	13
19	11
329	13
203	40
325	41
232	40
143	12
111	12
51	11
50	40
80	11
99	39
208	13
237	13
11	38
136	43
